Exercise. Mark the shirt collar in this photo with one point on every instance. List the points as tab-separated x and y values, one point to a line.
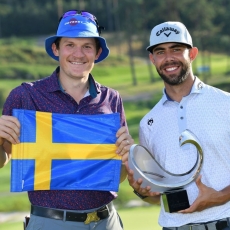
197	88
55	85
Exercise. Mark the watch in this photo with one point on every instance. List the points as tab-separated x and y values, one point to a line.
139	195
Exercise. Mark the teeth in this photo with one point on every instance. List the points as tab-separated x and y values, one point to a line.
76	63
171	69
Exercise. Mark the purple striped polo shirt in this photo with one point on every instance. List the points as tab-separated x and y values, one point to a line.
46	95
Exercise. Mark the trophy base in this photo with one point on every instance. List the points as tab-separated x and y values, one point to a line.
175	200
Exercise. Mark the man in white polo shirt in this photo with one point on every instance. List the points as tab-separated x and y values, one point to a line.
187	103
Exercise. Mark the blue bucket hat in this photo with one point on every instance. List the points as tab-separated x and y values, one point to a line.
77	26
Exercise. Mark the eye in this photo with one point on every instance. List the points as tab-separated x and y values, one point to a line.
69	44
160	52
88	46
177	49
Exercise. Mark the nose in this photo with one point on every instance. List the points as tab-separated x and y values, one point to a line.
169	56
77	52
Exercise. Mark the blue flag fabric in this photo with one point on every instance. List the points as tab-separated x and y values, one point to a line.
65	152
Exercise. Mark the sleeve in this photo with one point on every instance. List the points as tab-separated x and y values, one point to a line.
143	135
122	113
13	101
116	105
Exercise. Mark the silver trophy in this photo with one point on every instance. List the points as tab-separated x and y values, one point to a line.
145	166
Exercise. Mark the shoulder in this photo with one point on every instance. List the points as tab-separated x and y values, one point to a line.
22	92
216	93
149	118
18	91
45	82
107	90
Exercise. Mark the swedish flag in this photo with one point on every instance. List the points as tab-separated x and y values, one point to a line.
65	152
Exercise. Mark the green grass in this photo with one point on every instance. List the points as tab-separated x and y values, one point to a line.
12	225
5	178
139	218
11	201
118	78
29	71
114	72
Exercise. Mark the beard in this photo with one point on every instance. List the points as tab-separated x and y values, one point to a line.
175	79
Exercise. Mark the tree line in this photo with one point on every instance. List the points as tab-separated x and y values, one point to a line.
127	20
207	20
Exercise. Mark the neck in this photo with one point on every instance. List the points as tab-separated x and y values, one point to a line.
76	89
177	92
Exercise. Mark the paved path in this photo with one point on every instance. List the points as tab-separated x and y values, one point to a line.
138	97
12	216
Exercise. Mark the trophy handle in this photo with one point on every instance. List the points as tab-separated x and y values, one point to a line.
186	137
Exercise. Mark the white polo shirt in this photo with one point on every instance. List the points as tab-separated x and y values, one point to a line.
206	112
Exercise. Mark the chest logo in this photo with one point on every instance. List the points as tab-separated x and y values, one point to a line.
150	121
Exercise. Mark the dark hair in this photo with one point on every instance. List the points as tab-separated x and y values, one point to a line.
150	49
57	43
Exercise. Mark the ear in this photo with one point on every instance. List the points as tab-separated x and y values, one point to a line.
151	58
55	50
98	53
193	53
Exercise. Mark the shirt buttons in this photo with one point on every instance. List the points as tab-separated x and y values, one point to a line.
181	107
181	118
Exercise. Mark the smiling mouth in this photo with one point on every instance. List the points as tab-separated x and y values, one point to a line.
171	66
77	63
171	69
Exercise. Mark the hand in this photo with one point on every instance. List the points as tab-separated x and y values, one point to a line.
207	198
9	129
124	142
136	185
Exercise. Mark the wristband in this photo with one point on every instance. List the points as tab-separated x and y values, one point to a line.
139	195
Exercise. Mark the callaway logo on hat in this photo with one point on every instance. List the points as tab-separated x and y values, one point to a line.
169	32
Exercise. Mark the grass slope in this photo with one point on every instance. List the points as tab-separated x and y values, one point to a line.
114	72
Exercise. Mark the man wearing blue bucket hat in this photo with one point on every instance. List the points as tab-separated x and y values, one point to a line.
71	89
81	26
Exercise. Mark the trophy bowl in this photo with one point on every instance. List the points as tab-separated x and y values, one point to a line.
145	166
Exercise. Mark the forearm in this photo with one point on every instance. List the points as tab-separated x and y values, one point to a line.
152	199
214	198
5	154
3	157
123	173
223	196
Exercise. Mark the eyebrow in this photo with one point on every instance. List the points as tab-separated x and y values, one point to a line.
86	43
170	47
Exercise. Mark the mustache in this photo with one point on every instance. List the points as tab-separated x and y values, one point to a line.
170	64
